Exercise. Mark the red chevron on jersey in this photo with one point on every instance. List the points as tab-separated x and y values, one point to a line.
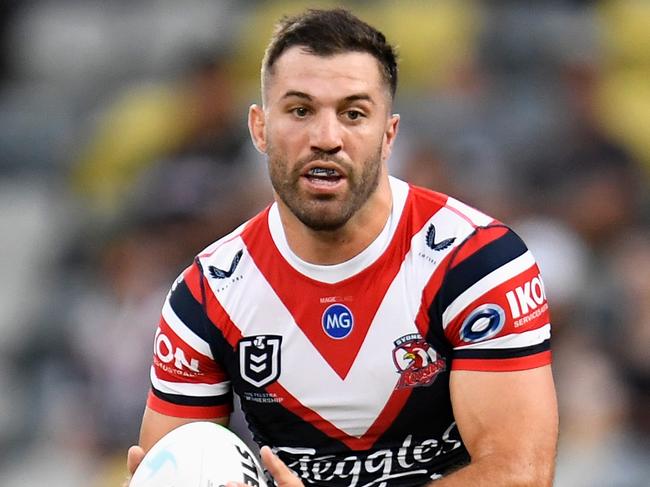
362	294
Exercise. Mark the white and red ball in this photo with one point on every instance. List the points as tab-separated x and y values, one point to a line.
199	454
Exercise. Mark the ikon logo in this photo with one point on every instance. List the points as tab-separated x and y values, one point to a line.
164	350
526	298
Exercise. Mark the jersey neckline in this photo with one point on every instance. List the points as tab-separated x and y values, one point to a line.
337	272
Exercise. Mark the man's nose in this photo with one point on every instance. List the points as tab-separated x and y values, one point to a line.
326	133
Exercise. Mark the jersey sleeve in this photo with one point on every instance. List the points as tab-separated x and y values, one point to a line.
494	311
186	380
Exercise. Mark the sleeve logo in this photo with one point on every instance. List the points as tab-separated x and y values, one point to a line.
483	323
526	298
167	353
431	240
217	273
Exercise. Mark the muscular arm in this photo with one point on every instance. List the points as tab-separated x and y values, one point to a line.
509	424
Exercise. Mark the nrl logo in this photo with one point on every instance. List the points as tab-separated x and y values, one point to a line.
416	361
259	359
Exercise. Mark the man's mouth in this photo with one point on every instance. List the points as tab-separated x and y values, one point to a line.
323	175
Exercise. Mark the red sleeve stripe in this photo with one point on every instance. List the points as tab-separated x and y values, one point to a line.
503	364
180	411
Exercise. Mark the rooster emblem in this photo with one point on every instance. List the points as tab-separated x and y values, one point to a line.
416	361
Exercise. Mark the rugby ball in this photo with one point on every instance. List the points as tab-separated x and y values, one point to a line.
199	454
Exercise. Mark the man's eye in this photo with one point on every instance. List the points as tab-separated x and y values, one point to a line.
353	114
300	112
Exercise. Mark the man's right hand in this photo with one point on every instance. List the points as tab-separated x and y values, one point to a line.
133	459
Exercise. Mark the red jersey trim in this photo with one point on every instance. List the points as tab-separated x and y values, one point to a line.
189	412
504	364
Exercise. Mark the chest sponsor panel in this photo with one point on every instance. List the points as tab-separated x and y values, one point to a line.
414	460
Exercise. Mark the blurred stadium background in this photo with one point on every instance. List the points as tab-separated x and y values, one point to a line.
124	150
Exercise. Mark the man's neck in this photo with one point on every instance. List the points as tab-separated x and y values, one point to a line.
341	245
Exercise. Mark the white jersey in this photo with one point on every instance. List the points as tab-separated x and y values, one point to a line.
344	369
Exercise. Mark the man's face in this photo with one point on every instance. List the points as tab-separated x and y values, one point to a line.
327	131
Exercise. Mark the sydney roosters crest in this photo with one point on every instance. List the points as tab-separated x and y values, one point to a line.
416	361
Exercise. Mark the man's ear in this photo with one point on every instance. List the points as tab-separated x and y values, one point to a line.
257	127
392	127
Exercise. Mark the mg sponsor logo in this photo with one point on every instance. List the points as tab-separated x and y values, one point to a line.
337	321
167	353
527	298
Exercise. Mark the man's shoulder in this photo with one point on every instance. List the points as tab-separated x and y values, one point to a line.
425	199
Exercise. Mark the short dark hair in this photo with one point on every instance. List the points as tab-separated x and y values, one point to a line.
329	32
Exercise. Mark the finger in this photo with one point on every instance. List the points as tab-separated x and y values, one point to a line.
276	467
134	458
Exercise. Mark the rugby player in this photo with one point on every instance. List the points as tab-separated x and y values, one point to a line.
377	333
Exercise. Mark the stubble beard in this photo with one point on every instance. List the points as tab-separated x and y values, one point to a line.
326	213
